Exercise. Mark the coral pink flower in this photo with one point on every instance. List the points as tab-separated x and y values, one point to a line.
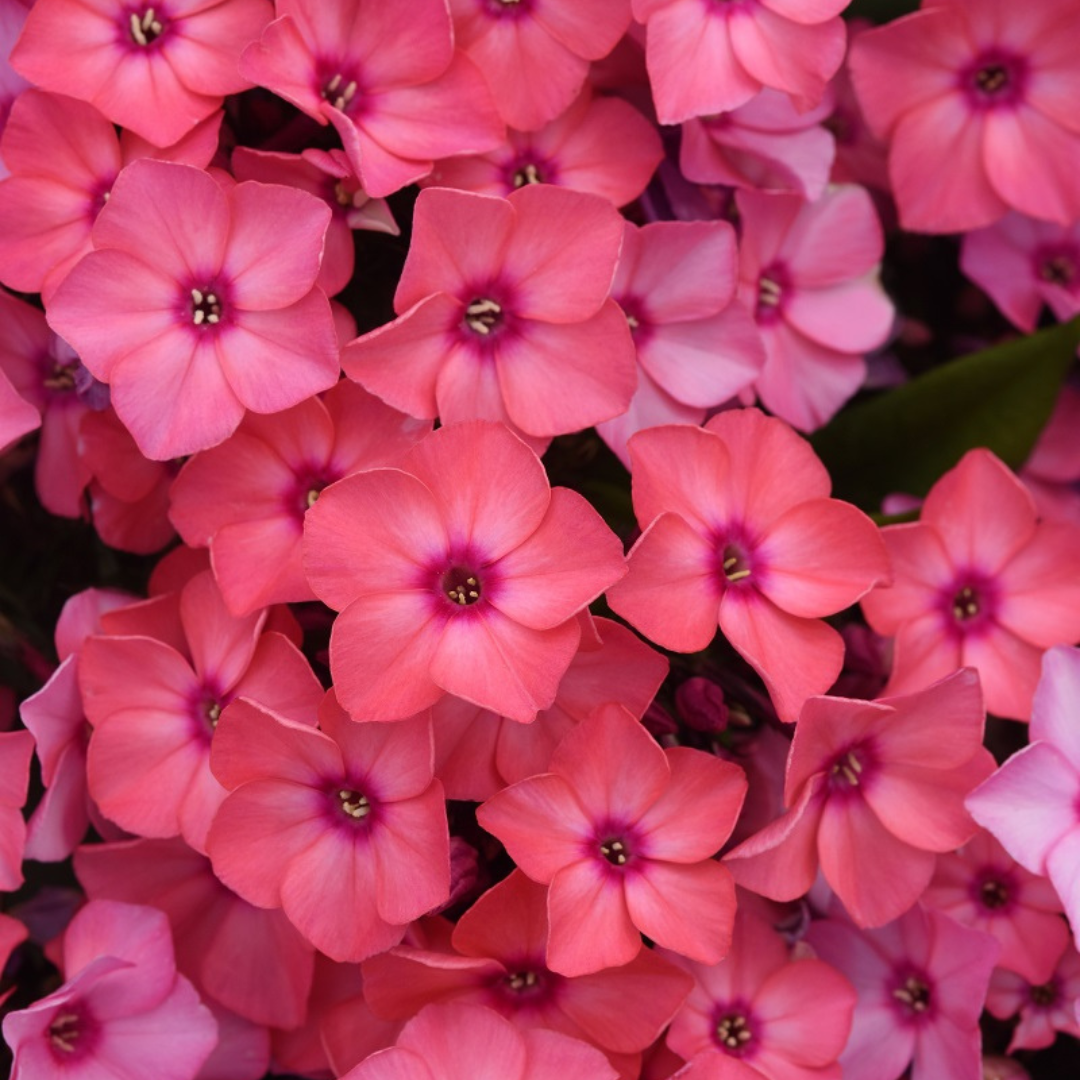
154	68
329	175
471	1042
458	571
64	158
624	833
766	144
499	301
122	1011
975	101
1044	1008
16	749
252	961
212	300
498	961
601	145
12	17
921	982
478	752
696	348
982	887
808	271
706	57
1032	803
1023	264
740	533
154	705
874	790
1053	467
246	499
979	582
386	74
535	56
343	828
786	1018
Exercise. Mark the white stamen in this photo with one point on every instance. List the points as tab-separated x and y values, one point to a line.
137	30
199	316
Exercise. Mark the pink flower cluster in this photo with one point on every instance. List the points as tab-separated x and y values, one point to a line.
365	782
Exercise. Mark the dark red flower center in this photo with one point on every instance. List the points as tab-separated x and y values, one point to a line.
913	994
205	307
462	586
993	894
996	78
733	1033
1045	995
483	315
1058	269
966	604
62	377
615	851
145	26
527	173
354	804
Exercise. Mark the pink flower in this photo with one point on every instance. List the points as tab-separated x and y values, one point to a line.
386	74
154	68
808	271
706	57
457	571
17	416
343	828
979	582
250	494
1053	467
921	982
975	101
535	56
740	533
600	145
212	300
696	347
787	1018
1044	1008
16	749
470	1042
123	1009
624	833
874	790
499	301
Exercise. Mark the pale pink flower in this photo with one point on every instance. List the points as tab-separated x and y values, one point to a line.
156	68
212	304
706	57
979	582
504	314
386	74
809	273
459	571
623	833
741	535
976	102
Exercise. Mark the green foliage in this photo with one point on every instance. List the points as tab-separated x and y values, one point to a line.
905	439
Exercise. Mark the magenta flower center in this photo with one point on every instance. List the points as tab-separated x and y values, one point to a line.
483	315
339	90
735	563
527	174
64	1032
615	851
523	982
1046	995
772	286
145	27
733	1032
62	377
354	804
995	79
993	893
913	995
462	586
1058	268
205	307
848	771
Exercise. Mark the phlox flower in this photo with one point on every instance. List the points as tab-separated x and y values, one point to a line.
504	314
600	145
250	960
1032	803
623	833
740	534
808	271
535	57
1053	466
459	571
157	69
496	958
16	749
12	17
64	158
979	582
706	57
343	828
246	499
1044	1008
211	301
122	1009
983	887
766	144
696	348
921	982
874	790
1024	265
976	103
18	417
154	699
787	1018
386	74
